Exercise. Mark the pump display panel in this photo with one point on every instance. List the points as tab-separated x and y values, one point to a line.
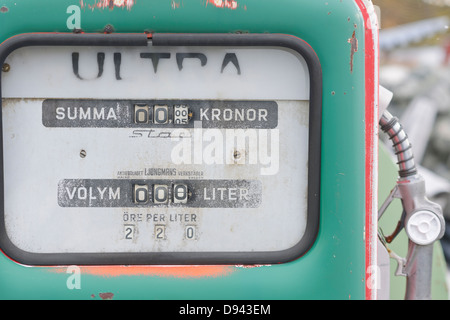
176	149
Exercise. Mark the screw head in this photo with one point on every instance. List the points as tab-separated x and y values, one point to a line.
108	29
6	67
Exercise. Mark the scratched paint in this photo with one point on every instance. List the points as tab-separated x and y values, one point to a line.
111	4
227	4
176	4
354	48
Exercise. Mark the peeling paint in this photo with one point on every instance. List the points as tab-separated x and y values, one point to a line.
354	48
4	9
111	4
166	271
228	4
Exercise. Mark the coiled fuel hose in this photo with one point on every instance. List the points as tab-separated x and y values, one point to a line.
403	148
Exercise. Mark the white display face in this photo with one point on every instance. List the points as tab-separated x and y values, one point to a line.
155	150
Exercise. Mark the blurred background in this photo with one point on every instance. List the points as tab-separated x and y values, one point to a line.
415	66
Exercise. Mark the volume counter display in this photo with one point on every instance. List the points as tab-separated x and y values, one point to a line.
162	154
130	193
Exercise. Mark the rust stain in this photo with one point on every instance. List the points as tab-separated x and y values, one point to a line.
228	4
106	295
354	48
166	271
111	4
4	9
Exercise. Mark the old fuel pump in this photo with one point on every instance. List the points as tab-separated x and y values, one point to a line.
191	150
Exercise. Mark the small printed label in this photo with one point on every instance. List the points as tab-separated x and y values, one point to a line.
159	193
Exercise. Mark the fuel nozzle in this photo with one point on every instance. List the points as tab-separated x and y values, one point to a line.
422	219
